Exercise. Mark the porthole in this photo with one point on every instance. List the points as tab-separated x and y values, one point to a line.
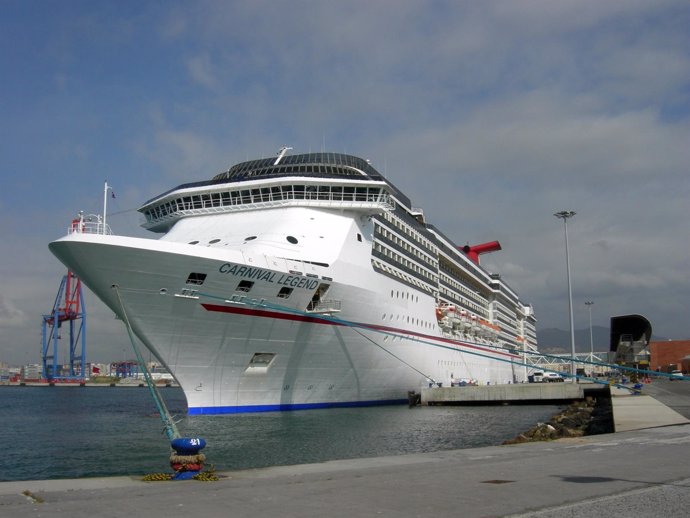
249	238
193	242
292	240
213	241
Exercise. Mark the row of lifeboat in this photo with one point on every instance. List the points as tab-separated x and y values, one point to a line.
458	320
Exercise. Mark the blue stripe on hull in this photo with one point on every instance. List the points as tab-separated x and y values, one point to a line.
211	410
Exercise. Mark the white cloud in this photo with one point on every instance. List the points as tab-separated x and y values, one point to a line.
202	70
10	315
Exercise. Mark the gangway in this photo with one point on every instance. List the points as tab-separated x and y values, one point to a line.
68	312
598	362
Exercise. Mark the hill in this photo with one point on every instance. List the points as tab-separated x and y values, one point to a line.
558	341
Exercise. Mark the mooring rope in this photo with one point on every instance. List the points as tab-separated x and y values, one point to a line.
170	427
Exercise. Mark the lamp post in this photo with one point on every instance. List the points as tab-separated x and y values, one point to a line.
565	215
589	305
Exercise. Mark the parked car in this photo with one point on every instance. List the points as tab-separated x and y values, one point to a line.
552	377
676	375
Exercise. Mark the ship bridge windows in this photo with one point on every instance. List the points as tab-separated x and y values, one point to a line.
292	239
225	200
196	278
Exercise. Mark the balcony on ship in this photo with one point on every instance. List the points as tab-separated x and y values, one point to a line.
324	307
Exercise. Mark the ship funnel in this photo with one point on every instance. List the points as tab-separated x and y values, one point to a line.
474	251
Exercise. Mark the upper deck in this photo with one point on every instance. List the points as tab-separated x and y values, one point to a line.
327	180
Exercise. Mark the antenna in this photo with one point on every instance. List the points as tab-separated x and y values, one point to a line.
106	187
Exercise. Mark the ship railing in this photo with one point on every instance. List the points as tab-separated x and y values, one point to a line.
89	227
324	306
369	202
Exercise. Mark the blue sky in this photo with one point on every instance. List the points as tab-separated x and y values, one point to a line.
491	116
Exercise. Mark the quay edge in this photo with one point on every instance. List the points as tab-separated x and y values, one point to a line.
530	393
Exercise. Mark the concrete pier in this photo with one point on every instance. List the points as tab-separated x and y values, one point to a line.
514	393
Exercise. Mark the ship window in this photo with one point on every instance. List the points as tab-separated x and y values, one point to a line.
196	278
359	237
245	286
193	242
250	238
292	240
213	241
285	293
261	359
260	363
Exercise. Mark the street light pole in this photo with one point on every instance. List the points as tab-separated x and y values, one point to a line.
589	305
565	215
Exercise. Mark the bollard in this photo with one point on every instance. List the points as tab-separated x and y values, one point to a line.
186	460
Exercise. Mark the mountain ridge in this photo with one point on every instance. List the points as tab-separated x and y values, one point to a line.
558	340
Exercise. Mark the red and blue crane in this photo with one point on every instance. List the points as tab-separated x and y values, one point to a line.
68	316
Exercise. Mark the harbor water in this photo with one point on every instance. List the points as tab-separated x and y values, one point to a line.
59	432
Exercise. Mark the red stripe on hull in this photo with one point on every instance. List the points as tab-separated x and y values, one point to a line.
316	320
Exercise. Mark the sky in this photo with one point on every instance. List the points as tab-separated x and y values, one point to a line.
491	116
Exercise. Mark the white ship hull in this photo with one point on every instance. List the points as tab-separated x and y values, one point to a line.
356	357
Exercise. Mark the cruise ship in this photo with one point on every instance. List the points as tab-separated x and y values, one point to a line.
303	281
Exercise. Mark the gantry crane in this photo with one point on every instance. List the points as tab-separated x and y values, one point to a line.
68	311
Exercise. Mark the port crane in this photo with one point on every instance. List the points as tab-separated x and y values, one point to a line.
68	315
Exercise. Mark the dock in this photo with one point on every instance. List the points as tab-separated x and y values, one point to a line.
518	393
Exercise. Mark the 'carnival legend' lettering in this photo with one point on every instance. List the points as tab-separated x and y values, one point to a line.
247	272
